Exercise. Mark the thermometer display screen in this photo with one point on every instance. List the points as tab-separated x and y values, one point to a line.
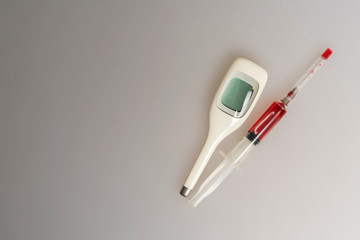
237	94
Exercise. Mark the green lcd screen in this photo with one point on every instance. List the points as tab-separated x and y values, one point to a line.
236	94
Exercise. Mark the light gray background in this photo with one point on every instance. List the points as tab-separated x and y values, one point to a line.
104	109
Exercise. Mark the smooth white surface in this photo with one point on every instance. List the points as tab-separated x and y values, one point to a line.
104	107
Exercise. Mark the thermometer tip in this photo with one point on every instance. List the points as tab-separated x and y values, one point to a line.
327	53
185	191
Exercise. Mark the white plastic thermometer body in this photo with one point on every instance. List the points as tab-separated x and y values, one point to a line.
225	115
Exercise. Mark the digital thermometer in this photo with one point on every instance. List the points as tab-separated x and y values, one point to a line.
234	100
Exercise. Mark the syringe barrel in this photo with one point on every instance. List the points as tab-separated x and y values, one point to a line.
239	153
266	122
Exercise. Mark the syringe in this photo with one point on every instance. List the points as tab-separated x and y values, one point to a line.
255	134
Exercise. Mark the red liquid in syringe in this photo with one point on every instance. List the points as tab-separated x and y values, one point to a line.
267	121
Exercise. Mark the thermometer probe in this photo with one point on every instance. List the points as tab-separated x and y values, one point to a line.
255	134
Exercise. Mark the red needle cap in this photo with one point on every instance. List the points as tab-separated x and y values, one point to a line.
327	53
